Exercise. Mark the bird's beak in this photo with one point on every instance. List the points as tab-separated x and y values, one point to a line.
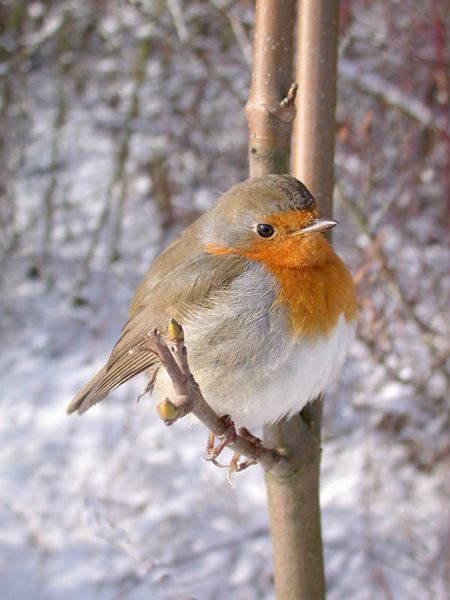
318	225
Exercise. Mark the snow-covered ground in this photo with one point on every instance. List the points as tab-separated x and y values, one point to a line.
114	505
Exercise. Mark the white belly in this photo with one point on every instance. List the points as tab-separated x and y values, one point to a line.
307	372
282	389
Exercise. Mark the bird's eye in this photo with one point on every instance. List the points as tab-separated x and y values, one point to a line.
265	230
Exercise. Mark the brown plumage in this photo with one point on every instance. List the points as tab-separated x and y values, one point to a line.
252	307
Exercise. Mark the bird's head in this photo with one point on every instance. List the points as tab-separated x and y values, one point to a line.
273	219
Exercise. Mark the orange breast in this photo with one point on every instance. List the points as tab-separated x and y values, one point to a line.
314	282
317	296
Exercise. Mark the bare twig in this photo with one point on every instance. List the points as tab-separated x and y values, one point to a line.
429	336
120	177
192	52
189	399
392	96
178	19
240	35
408	306
60	120
285	109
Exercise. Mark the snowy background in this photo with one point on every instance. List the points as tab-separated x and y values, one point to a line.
120	123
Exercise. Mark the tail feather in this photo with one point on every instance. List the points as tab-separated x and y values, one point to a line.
111	376
89	395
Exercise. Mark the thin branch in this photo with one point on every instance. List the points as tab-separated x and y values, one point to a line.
388	272
285	109
392	96
189	50
429	335
237	27
189	399
178	20
240	35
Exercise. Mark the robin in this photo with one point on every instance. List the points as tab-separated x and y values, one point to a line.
268	308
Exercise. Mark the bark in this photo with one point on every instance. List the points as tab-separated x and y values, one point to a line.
270	108
294	510
293	497
314	127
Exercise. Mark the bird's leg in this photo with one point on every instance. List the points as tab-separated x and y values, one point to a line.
255	441
211	452
150	385
235	466
228	437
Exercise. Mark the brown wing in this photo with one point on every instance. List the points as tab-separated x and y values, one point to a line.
173	286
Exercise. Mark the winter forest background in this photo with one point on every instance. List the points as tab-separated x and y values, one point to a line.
120	123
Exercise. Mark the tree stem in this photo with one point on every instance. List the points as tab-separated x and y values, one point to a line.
293	498
314	126
269	113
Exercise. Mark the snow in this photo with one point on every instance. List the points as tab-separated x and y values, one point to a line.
114	505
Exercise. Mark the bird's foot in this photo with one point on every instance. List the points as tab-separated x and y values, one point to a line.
235	466
150	386
228	437
255	441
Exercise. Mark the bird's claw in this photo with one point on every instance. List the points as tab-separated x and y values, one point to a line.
228	437
211	456
235	466
149	387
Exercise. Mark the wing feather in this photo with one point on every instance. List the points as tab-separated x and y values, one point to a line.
172	287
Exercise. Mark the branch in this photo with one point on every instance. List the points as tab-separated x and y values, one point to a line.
409	307
392	96
285	109
270	108
189	399
429	335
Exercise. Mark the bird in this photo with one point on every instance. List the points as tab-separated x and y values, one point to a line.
268	308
